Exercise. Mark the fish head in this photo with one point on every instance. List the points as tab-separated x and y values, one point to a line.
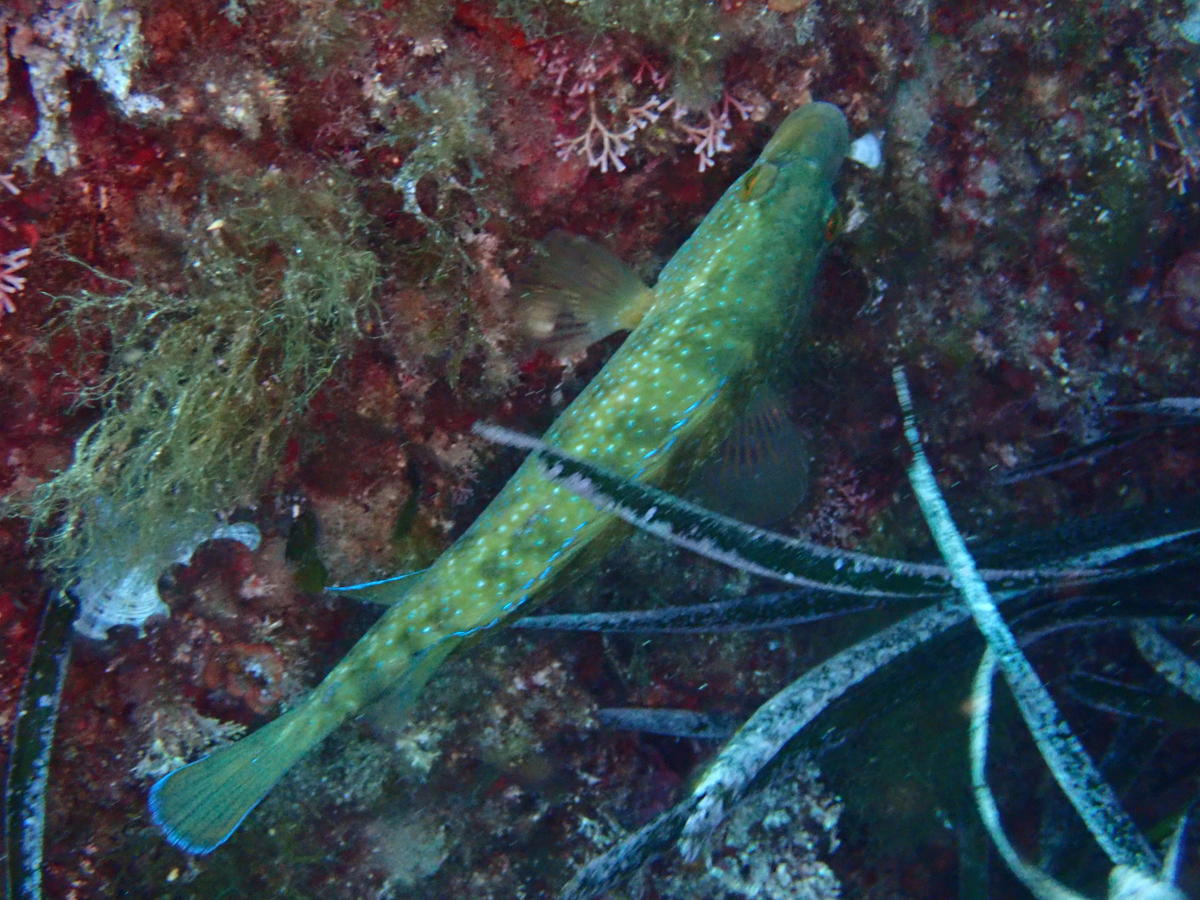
791	184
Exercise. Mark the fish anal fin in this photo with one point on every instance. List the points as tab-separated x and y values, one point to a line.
390	712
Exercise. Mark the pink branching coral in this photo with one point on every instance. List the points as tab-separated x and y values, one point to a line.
12	261
11	283
709	137
600	145
578	81
1180	148
601	78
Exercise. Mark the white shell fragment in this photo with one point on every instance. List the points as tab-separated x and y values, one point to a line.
111	592
1189	28
867	151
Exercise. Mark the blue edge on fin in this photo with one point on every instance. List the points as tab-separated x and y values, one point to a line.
367	584
170	833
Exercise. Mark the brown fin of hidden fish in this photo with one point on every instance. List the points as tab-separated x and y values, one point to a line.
577	293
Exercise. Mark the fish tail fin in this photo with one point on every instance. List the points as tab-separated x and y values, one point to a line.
199	806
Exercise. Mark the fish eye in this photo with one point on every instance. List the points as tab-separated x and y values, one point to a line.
833	225
759	180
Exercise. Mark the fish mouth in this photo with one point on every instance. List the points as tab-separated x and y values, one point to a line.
816	133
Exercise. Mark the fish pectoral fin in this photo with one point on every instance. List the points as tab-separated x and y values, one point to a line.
760	473
576	294
199	806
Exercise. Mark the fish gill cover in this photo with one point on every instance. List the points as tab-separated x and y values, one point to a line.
1027	251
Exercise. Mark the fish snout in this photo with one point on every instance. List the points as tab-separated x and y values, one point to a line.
816	133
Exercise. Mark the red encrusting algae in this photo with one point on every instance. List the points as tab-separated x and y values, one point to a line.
1028	250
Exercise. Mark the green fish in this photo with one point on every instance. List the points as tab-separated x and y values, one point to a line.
727	302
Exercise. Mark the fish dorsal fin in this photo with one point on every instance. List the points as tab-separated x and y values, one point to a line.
385	591
577	293
759	473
